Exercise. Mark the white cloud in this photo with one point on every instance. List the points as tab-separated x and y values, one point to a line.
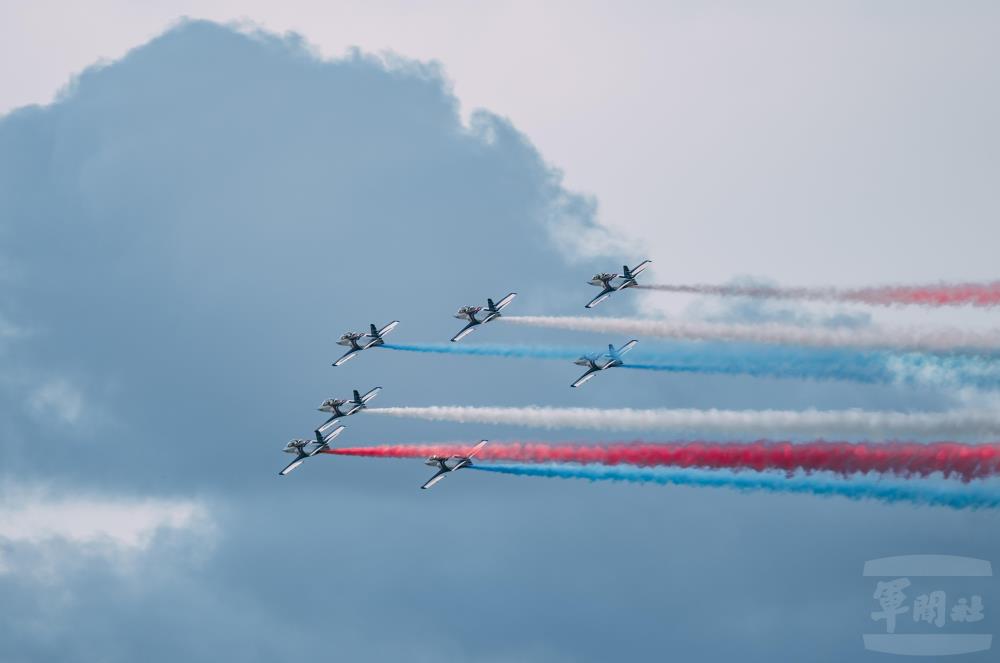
117	527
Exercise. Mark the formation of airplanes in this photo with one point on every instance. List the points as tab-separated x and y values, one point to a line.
474	316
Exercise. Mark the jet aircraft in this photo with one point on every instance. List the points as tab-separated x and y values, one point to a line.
596	363
603	280
457	463
351	339
469	313
298	447
356	404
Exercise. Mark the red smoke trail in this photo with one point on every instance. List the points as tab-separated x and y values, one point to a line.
975	294
965	461
944	294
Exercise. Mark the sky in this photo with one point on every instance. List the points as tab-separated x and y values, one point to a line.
186	228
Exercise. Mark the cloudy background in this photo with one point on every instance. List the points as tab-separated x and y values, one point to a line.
186	228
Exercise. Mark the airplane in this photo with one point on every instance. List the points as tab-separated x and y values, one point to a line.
351	339
603	280
443	468
469	313
298	447
596	363
358	403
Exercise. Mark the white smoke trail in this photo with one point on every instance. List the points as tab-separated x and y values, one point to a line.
766	423
936	340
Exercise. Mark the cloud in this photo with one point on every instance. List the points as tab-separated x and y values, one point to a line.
36	521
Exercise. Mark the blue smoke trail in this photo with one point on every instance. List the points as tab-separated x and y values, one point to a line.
765	361
931	492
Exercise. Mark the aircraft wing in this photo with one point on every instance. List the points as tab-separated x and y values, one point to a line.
586	376
506	300
291	466
600	298
625	348
349	355
434	479
641	266
476	449
388	328
332	421
465	332
371	394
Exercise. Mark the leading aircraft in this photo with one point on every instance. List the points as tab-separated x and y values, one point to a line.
351	339
444	468
298	447
596	363
469	313
603	280
355	405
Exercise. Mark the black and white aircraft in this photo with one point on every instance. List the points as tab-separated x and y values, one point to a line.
298	447
604	279
355	405
596	363
469	313
351	339
457	463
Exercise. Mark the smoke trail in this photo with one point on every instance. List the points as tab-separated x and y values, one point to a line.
930	493
940	340
763	361
951	459
943	294
739	423
518	351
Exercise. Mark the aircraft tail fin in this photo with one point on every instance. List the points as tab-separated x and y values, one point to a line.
374	332
490	304
357	397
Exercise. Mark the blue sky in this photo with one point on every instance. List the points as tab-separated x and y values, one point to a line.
184	234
